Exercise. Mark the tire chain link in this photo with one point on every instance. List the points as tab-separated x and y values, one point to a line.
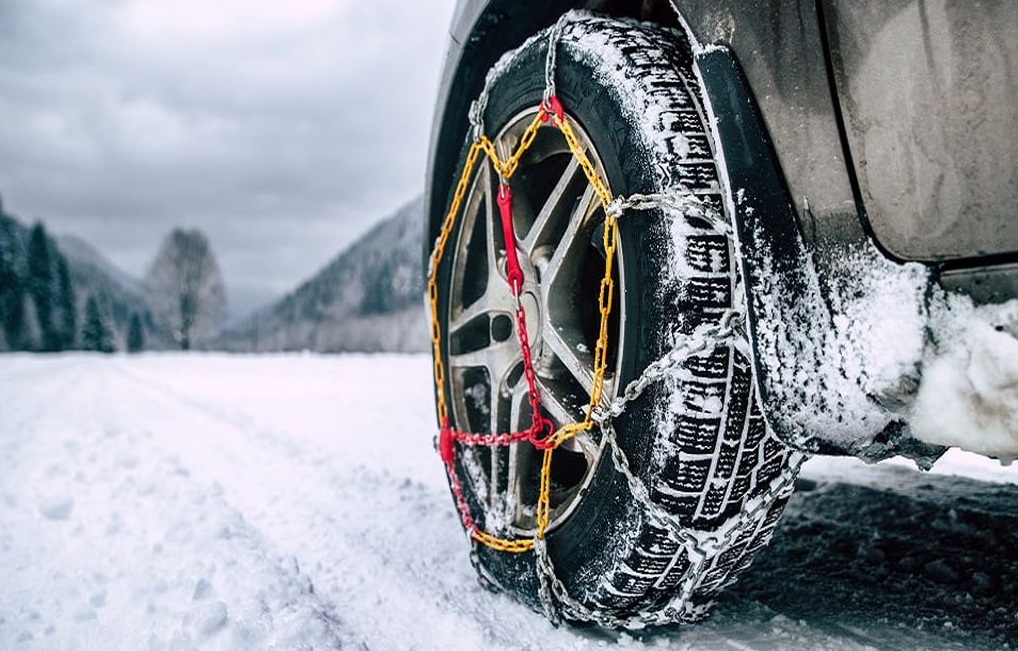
700	550
556	602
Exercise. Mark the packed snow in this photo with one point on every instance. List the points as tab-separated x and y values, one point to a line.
890	346
969	391
296	502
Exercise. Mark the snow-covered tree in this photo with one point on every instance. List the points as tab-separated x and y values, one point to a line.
96	334
135	335
40	286
186	287
66	318
12	289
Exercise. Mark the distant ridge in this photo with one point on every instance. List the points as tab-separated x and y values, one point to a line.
82	254
369	298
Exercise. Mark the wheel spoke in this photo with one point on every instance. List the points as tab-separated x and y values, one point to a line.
502	396
495	357
552	208
517	402
569	242
552	400
579	364
493	303
500	411
492	231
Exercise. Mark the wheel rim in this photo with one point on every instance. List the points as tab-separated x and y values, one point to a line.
558	222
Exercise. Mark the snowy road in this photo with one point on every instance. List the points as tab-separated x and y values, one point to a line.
215	502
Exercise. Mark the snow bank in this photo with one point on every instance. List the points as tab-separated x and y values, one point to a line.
969	392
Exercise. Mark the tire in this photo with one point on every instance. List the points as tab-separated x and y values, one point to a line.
697	439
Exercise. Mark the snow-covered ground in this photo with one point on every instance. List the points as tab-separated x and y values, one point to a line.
295	502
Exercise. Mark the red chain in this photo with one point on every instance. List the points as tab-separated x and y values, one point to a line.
513	270
540	423
448	452
541	428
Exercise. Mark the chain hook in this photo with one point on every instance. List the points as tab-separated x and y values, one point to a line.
553	110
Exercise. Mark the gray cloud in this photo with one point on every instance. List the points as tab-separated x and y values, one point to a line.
282	129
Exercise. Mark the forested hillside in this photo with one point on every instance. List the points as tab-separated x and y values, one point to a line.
368	298
51	300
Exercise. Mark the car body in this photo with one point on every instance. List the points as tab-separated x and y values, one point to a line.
889	126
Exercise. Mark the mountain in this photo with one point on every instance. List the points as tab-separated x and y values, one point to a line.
367	299
93	274
85	256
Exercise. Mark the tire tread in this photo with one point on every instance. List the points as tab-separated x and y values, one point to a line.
709	464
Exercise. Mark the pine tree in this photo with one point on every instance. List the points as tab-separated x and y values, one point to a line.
135	335
67	322
95	334
12	289
40	285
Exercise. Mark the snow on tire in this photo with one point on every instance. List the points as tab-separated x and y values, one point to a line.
696	439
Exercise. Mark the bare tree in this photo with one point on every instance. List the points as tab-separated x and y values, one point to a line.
186	287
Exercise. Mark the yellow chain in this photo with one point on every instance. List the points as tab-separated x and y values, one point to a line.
505	170
606	291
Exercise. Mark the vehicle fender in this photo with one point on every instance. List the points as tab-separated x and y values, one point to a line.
791	299
765	232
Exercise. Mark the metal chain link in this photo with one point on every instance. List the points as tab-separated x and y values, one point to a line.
702	549
703	338
477	108
675	201
554	34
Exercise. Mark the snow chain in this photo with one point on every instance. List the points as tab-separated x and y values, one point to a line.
701	548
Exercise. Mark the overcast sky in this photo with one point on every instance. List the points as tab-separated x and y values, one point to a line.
283	129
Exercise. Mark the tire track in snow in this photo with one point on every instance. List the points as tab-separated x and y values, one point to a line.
414	590
136	553
283	495
385	550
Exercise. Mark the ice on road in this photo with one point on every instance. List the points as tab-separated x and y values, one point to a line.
295	502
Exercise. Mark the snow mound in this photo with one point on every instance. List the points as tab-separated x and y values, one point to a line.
96	553
969	392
